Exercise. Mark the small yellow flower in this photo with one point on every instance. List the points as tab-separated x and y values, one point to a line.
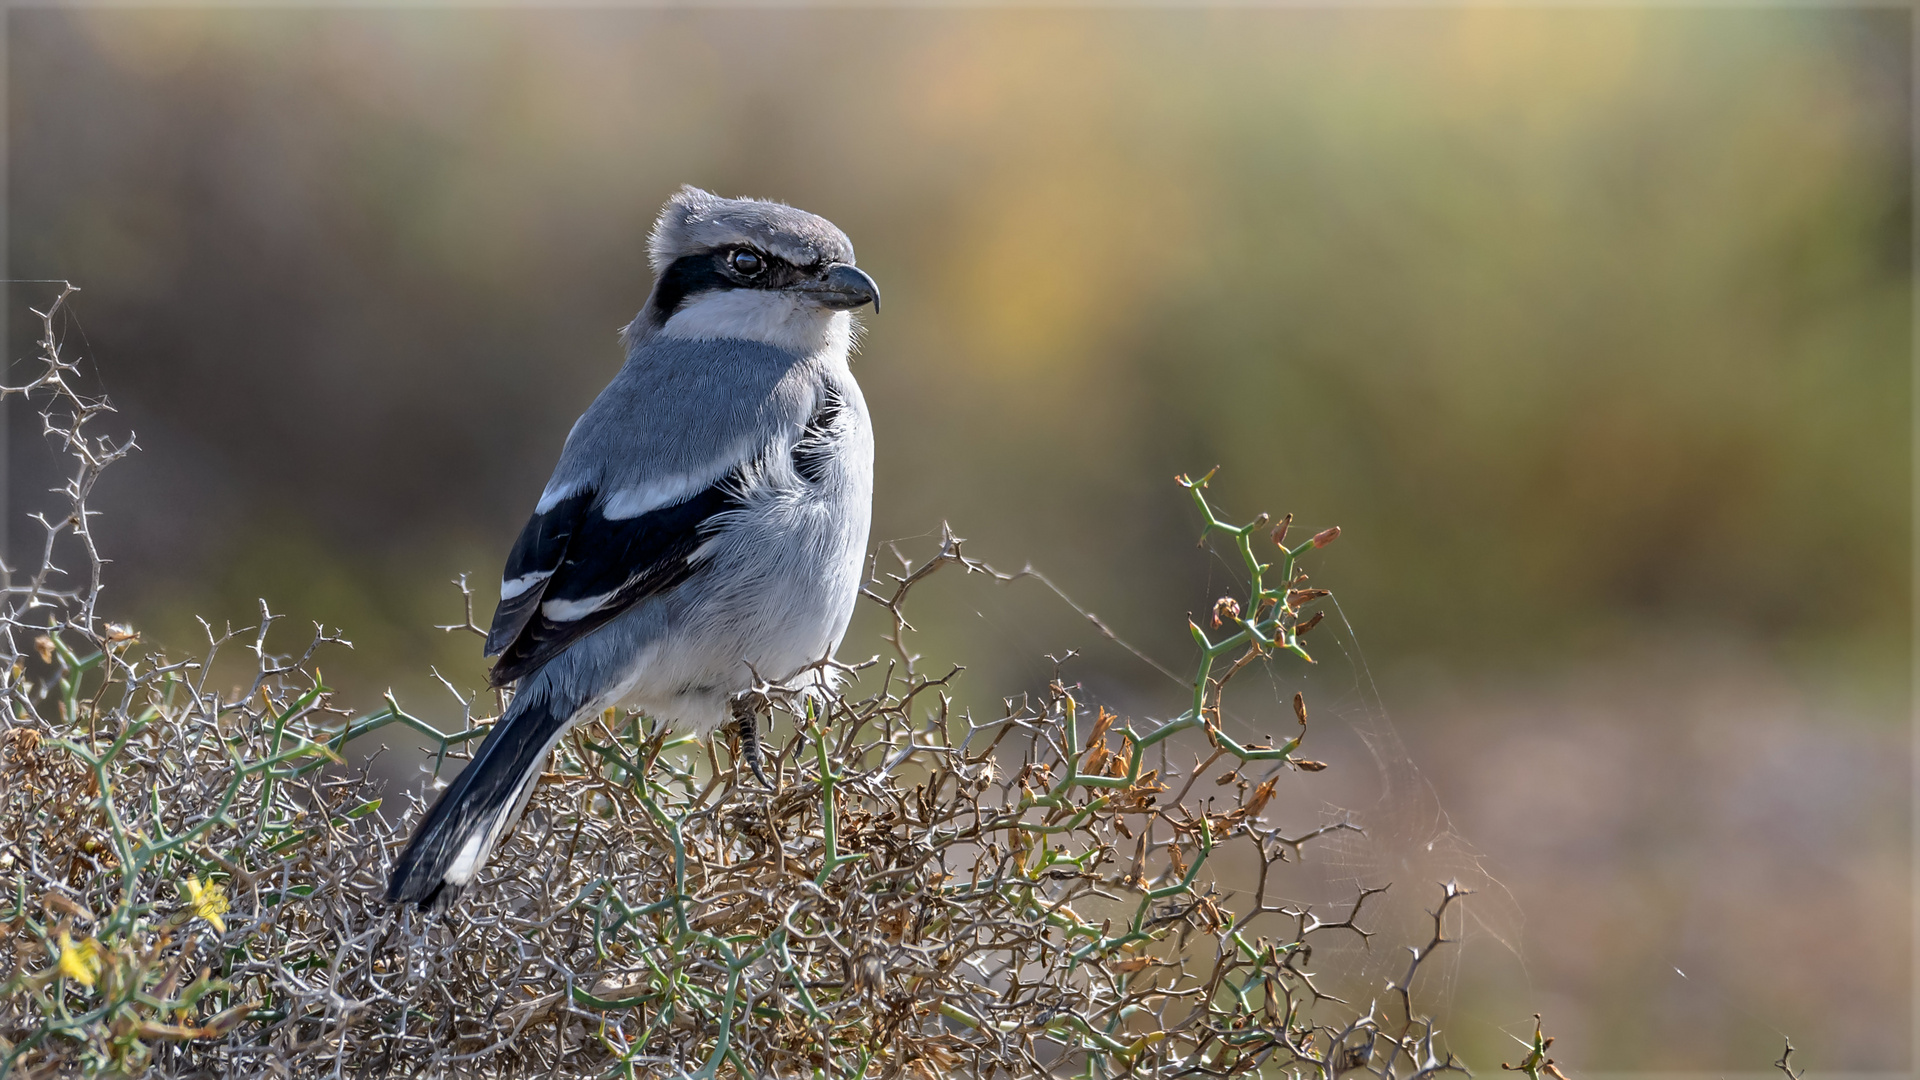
208	901
81	962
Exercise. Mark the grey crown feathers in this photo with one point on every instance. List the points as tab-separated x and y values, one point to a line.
707	521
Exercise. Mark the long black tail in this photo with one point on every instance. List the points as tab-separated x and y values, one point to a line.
455	837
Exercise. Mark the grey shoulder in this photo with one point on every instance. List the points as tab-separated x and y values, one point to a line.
678	403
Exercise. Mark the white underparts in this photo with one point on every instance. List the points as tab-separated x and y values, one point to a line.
780	319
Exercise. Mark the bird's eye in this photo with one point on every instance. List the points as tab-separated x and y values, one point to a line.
746	263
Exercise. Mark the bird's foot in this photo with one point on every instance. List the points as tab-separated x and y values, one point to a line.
747	720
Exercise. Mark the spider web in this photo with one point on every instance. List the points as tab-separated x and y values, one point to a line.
1405	842
1402	840
1390	829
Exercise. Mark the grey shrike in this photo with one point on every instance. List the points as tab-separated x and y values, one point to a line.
706	525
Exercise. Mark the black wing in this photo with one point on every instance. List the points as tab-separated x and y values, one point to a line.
577	570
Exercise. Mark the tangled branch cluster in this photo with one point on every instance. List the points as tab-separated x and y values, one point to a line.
192	880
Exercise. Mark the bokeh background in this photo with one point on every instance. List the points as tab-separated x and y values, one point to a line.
1591	328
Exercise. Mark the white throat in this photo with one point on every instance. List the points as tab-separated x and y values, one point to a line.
779	319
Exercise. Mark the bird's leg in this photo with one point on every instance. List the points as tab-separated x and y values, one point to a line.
747	719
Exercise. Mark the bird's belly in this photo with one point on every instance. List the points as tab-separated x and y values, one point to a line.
774	598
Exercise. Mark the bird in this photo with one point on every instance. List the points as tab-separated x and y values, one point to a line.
705	527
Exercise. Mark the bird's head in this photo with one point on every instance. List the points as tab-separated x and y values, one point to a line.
750	269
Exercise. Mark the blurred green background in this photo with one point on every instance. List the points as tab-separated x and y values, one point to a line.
1591	328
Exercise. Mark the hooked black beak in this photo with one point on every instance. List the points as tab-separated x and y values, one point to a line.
845	287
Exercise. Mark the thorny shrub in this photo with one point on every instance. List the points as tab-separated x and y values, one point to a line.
192	881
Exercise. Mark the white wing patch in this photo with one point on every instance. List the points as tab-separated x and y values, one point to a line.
650	495
570	610
555	492
647	496
513	588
